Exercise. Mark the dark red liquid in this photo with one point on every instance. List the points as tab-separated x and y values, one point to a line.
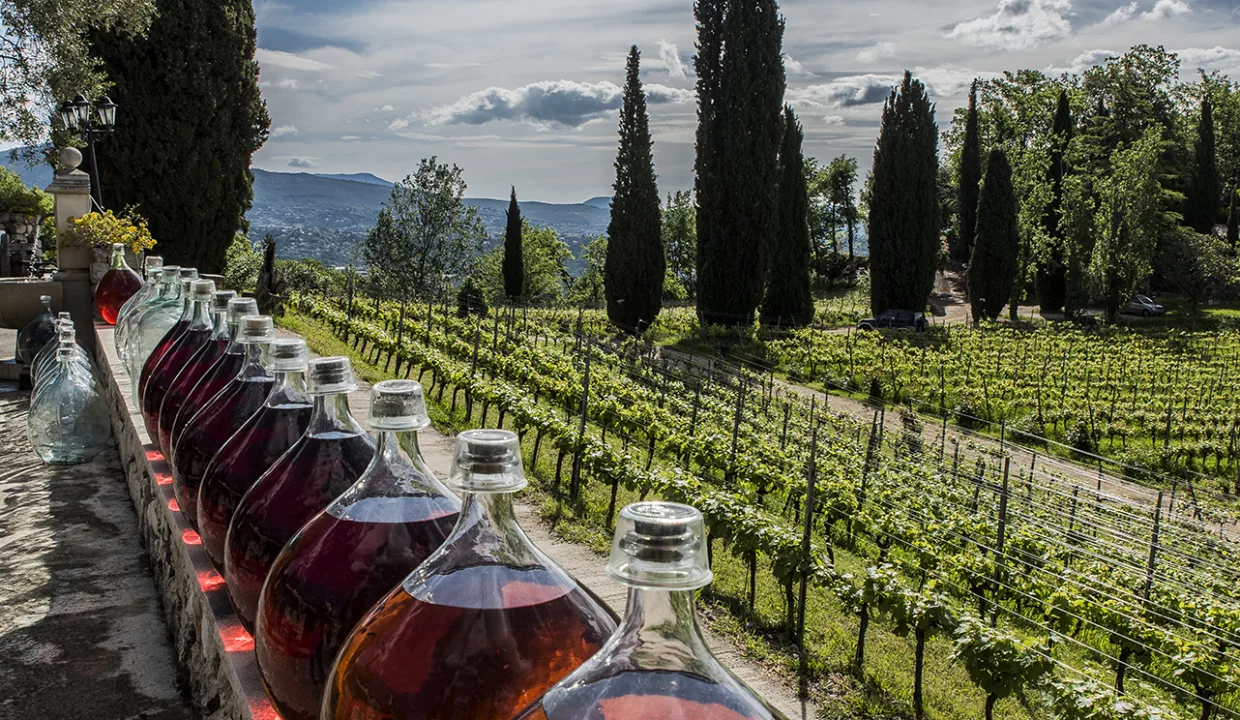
327	578
211	383
485	642
648	695
315	471
241	461
173	362
153	360
183	385
116	286
207	432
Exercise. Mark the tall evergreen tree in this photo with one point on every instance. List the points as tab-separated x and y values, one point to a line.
992	267
193	118
514	264
904	204
1051	283
788	300
1233	222
740	124
1204	190
970	178
635	265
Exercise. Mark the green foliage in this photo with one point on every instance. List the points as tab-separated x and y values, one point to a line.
269	290
997	661
1052	281
904	212
514	269
740	100
308	277
16	197
587	288
191	119
1201	208
46	58
241	265
469	300
635	266
788	300
992	267
1198	265
1233	222
970	180
680	240
545	263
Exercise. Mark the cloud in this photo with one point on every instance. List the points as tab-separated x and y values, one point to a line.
453	66
385	108
283	83
350	137
792	66
834	121
1082	62
300	163
550	102
1122	13
288	61
1017	25
1164	9
283	130
1217	57
870	89
670	55
398	124
877	52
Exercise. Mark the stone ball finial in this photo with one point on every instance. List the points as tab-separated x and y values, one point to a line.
70	158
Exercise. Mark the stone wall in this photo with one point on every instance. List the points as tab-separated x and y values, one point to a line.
21	243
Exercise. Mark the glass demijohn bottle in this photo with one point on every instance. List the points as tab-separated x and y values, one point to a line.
116	286
482	628
159	323
52	366
177	353
46	358
37	333
657	664
321	465
68	420
223	415
141	299
161	286
256	446
192	370
351	555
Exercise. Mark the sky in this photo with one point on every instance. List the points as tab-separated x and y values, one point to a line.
525	93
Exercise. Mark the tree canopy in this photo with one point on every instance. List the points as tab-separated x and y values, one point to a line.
992	265
514	269
788	300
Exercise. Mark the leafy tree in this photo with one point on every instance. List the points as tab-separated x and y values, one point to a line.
45	56
269	288
841	176
1197	264
544	259
1201	210
514	270
193	118
469	300
379	252
241	264
997	661
680	240
740	89
992	267
1224	95
822	216
1233	222
587	289
788	299
633	273
904	212
970	179
1051	274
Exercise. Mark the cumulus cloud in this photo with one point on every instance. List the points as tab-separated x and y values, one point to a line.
1164	9
283	83
834	120
869	89
550	102
350	137
1122	13
300	163
385	108
877	52
288	61
1017	25
283	130
670	55
399	124
1215	58
792	66
1082	62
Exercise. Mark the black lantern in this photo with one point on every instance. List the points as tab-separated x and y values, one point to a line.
81	111
67	115
77	115
107	112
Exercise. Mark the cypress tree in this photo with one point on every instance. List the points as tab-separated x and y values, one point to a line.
1202	205
1051	285
788	300
970	178
634	269
740	125
514	261
1233	222
904	203
992	267
192	119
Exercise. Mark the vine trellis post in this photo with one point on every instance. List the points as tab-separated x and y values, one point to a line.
807	558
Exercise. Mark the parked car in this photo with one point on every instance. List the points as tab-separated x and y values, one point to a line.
896	319
1142	305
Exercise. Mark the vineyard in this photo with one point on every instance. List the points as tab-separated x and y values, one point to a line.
1057	599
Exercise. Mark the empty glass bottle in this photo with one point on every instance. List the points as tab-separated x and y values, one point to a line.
79	359
351	555
116	286
657	664
142	300
222	415
152	262
482	628
38	332
150	327
195	367
171	336
219	374
256	446
173	358
46	357
321	465
68	421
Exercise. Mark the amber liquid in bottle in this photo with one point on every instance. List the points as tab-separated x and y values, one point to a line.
208	386
183	386
162	377
116	287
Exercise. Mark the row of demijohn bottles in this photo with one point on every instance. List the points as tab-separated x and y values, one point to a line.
372	589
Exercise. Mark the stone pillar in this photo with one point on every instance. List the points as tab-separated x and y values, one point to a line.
71	189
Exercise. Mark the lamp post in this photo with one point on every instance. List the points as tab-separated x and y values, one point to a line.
95	123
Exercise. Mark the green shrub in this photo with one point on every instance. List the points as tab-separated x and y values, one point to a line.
16	197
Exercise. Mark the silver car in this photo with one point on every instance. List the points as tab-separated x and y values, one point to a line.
1142	305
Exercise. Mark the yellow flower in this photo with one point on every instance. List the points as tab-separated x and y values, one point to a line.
107	228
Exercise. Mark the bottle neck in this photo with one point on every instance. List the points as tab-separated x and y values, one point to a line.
397	470
219	327
118	259
488	524
201	315
332	414
257	357
289	385
661	630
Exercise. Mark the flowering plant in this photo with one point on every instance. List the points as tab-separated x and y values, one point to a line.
106	228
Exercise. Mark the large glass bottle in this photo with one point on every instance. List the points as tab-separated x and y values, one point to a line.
79	361
172	336
155	323
38	332
254	448
222	415
321	465
482	628
68	423
46	357
219	374
351	555
172	359
189	372
148	293
657	664
116	286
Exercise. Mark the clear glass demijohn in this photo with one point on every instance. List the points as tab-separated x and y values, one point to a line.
148	325
46	358
68	420
148	294
79	360
172	336
37	333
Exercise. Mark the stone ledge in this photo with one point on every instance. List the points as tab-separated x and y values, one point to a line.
210	643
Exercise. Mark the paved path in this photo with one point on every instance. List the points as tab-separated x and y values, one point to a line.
81	631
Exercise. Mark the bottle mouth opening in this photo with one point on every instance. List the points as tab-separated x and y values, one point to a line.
289	355
220	300
398	405
203	290
170	272
487	461
660	545
330	376
188	273
240	308
257	330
